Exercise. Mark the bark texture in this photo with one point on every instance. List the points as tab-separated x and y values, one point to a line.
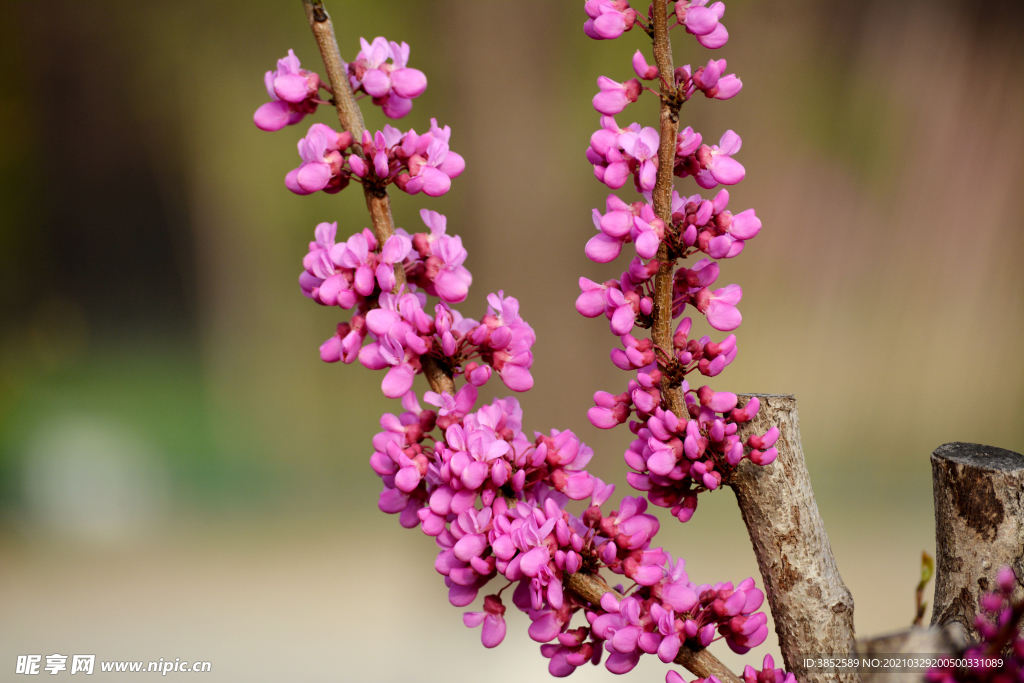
979	527
661	329
812	608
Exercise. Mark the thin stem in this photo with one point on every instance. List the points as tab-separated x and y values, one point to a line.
661	330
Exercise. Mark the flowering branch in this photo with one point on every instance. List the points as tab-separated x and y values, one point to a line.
493	500
351	119
469	477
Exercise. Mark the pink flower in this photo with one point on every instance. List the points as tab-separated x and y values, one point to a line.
613	228
642	68
356	254
718	164
720	307
614	96
392	86
453	407
452	280
643	147
321	164
513	359
745	225
609	19
395	250
713	83
292	92
592	300
605	153
703	22
768	673
493	620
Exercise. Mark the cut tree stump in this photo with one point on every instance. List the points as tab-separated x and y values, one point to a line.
979	527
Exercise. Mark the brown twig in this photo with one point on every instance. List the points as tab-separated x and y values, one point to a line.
661	330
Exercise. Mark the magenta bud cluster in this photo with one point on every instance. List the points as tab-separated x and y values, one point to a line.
359	274
619	154
414	163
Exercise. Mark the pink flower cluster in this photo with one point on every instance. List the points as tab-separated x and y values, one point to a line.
678	611
619	153
411	161
998	623
294	91
622	301
357	274
609	19
331	160
697	224
392	86
494	502
293	94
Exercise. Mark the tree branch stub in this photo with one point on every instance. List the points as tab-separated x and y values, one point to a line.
979	528
812	608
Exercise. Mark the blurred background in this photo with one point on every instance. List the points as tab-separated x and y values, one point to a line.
182	477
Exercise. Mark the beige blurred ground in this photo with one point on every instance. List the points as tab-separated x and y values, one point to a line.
196	486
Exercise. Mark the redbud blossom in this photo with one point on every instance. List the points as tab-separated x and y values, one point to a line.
608	18
392	86
292	92
614	96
